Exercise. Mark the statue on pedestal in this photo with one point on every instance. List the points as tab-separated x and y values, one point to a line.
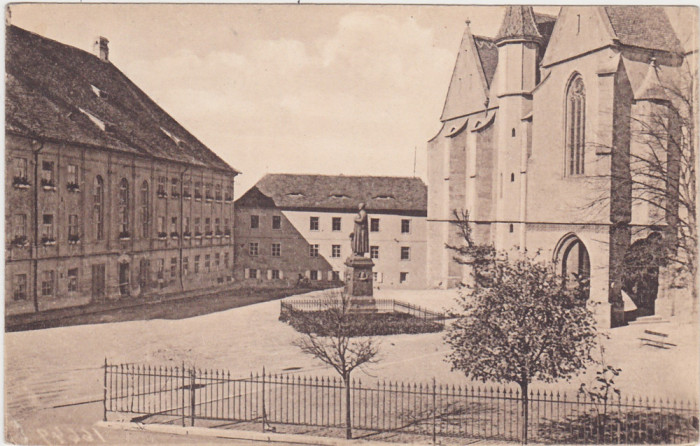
360	235
358	282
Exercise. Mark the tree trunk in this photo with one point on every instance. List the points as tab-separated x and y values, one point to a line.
348	420
524	401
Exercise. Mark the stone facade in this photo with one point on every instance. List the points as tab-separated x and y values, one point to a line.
109	207
535	150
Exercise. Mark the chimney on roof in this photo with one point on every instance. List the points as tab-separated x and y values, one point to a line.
101	48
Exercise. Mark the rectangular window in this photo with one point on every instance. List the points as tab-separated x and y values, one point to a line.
276	249
161	187
226	260
185	266
21	169
403	277
253	249
314	275
20	287
207	263
335	251
47	228
275	274
47	173
313	250
336	223
374	252
72	177
173	267
20	226
186	189
160	269
253	273
72	280
217	261
207	226
186	226
207	191
173	226
197	190
254	221
405	253
161	227
335	276
73	230
227	227
197	232
174	188
405	226
313	223
217	226
47	283
276	222
196	264
374	225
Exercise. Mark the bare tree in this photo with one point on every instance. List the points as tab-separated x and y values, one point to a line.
659	173
328	337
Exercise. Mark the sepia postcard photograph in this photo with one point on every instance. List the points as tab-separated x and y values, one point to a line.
350	224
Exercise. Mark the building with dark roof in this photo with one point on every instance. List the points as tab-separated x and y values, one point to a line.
536	127
290	226
107	196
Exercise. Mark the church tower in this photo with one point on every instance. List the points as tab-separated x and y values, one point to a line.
518	43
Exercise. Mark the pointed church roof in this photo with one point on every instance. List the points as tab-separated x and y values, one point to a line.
644	27
519	23
469	86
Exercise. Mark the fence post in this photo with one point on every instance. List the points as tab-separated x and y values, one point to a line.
434	414
104	402
192	398
183	393
263	400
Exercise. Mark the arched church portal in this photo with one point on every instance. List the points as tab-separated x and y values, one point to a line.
572	257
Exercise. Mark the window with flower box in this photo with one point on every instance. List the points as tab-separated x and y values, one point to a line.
21	177
73	280
73	229
47	233
47	175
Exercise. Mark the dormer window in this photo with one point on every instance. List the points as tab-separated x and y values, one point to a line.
175	139
384	197
95	120
99	93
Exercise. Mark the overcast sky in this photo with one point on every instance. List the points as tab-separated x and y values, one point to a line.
286	88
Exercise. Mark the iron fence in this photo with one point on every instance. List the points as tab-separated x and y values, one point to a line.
381	305
187	394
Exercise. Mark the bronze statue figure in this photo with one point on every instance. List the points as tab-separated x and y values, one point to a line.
360	235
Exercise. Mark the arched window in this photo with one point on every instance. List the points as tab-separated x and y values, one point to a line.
145	215
575	126
98	207
124	208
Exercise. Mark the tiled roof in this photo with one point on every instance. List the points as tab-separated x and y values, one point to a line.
60	92
488	54
643	26
518	23
339	193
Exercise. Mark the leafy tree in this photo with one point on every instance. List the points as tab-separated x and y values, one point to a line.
336	347
521	321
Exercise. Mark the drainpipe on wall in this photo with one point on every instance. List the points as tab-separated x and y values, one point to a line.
35	253
181	239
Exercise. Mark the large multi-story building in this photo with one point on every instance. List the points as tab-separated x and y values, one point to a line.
289	226
107	196
539	125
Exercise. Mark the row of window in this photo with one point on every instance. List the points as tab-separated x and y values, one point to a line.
313	275
48	234
21	178
47	278
336	223
276	250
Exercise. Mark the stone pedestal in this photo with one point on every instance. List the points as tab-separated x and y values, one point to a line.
358	283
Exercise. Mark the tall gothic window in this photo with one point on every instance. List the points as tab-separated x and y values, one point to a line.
575	126
145	217
98	207
123	208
